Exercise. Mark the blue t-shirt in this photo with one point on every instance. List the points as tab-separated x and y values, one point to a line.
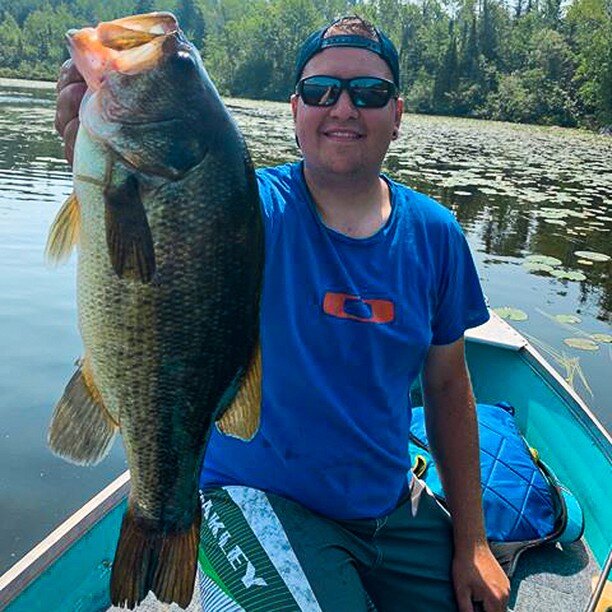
345	326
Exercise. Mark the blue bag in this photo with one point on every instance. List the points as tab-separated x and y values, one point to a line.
523	503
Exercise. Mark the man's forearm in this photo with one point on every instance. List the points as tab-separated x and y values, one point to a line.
453	434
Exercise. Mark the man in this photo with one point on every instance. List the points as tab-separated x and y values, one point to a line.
367	283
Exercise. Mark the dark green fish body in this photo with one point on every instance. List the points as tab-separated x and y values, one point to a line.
170	256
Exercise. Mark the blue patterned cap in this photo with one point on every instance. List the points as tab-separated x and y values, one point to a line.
317	42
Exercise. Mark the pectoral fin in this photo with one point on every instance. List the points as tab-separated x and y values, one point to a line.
64	233
241	419
82	430
128	235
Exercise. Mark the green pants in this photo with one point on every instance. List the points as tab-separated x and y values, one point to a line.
260	552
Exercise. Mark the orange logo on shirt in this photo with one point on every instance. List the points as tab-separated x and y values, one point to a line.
346	306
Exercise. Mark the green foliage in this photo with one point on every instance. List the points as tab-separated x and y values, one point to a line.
470	65
191	19
529	97
419	96
446	81
591	24
10	43
488	31
254	55
550	53
541	91
540	61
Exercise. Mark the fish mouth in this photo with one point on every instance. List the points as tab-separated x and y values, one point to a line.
129	45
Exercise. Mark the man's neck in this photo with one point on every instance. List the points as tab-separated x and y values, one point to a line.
357	206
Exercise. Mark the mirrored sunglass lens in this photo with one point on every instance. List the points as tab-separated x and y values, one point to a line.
321	92
371	93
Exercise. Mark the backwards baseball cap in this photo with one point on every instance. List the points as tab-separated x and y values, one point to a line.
317	42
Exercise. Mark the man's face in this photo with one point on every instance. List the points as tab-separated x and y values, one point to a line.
344	139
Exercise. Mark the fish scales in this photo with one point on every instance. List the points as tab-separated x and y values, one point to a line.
116	315
162	349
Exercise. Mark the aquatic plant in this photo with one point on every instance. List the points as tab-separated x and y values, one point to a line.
511	314
571	365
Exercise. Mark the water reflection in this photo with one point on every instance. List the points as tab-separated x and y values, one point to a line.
532	190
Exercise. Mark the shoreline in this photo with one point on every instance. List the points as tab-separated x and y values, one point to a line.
47	85
26	83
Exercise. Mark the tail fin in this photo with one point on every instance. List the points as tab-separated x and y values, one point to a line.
150	560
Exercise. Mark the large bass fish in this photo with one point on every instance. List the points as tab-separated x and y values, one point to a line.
166	219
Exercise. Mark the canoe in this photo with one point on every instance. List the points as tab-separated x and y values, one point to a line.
70	569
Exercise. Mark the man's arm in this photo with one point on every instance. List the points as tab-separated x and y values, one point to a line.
453	435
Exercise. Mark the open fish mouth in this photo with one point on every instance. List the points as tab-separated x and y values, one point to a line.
129	45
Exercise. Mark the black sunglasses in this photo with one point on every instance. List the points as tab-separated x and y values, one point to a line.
365	92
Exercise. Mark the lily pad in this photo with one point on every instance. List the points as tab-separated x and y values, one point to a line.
570	319
584	344
511	314
462	193
555	221
604	338
534	197
543	259
585	262
568	275
592	255
531	266
550	214
548	211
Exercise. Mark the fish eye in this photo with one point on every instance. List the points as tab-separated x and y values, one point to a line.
183	60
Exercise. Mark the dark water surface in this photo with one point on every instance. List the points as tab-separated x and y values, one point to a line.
517	191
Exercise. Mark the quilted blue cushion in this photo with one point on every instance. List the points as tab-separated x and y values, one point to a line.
517	499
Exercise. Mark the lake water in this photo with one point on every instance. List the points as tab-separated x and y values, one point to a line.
518	191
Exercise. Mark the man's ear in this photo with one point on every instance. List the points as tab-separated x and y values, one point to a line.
294	104
399	110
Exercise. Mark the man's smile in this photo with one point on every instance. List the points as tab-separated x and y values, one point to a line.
342	134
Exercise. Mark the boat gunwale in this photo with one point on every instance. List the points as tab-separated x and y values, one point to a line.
560	386
497	332
498	327
18	577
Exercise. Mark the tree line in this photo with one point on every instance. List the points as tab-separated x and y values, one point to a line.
535	61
